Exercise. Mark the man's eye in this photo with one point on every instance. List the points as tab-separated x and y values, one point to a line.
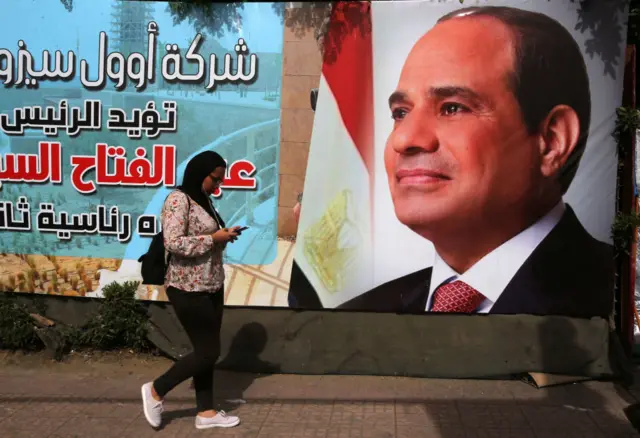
449	109
398	114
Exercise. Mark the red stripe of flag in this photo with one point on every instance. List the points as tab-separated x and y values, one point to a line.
348	70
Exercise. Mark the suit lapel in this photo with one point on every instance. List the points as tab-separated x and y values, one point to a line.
525	288
543	283
415	300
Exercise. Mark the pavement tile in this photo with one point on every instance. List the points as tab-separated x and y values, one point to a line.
244	430
17	433
612	422
547	419
498	433
145	431
251	412
52	407
430	432
32	427
91	426
316	413
581	395
612	395
175	417
553	433
105	408
355	413
492	416
431	415
361	431
285	412
299	412
12	404
41	404
301	430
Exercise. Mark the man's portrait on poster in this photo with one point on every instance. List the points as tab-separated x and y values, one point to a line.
486	140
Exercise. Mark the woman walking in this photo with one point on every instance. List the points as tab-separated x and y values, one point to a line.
195	236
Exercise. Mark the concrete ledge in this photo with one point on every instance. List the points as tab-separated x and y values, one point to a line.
337	342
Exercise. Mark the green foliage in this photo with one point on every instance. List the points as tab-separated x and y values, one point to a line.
624	226
68	4
633	32
17	329
215	18
623	232
206	15
627	121
121	322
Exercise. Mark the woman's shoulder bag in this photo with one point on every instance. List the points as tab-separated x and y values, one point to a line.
156	260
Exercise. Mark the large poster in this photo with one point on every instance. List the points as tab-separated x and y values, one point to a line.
462	159
102	105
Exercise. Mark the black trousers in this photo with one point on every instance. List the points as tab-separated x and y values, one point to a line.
200	313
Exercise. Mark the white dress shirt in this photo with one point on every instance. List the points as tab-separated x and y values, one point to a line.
492	273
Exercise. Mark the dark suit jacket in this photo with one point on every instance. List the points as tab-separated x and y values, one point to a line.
570	274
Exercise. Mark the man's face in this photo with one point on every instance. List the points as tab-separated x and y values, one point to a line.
459	151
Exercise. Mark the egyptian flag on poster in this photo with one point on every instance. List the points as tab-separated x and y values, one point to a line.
335	236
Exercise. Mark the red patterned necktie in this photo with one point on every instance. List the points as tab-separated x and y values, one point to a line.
456	297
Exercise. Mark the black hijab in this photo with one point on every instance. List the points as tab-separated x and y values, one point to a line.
198	168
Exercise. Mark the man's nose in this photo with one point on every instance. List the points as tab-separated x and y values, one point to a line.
414	134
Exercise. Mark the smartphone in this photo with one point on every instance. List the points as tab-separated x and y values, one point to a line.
242	229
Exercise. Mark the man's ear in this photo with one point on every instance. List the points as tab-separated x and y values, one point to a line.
559	134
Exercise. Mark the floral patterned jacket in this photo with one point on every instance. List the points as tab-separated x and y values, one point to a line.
196	261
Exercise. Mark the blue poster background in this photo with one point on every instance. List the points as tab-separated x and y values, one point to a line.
239	121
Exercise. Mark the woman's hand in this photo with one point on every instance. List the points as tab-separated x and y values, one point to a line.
225	235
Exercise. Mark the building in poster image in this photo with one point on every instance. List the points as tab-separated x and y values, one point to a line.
492	189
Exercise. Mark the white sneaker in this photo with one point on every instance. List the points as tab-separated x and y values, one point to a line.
151	407
221	419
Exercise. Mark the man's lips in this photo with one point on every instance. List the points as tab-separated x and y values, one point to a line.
420	176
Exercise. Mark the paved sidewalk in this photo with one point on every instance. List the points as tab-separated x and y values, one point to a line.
84	399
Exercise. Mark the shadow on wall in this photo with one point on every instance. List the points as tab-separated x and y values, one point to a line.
606	37
245	349
315	17
605	42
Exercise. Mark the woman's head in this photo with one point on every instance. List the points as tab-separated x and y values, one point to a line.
214	180
205	172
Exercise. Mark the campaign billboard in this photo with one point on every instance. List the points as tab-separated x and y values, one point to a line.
99	118
462	159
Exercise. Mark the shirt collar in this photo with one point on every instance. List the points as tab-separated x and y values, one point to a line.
491	274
